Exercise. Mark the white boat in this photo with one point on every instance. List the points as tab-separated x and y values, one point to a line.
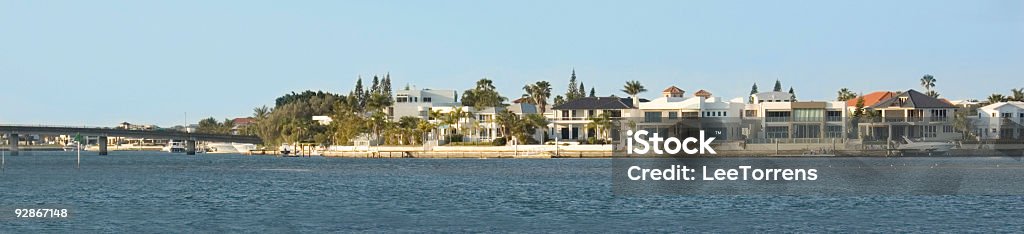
174	147
229	148
925	147
70	146
285	149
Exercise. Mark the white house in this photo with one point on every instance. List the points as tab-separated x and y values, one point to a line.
1002	120
716	116
777	117
571	118
418	102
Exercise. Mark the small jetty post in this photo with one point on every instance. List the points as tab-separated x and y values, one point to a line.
78	162
102	143
13	139
190	147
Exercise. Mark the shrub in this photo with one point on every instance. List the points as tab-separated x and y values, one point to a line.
454	138
499	141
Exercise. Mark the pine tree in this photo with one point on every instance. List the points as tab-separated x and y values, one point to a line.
375	88
359	94
386	85
753	90
592	93
571	92
793	96
582	91
778	86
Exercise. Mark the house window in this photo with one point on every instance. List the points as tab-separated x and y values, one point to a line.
776	132
834	131
807	115
652	117
929	131
833	116
947	128
806	131
427	99
673	115
590	113
1007	115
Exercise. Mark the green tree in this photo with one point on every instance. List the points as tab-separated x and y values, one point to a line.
592	93
1017	95
573	90
559	100
778	86
582	91
995	98
753	90
632	88
845	94
483	95
928	82
792	97
600	123
538	94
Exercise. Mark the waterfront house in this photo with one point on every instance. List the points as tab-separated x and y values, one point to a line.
571	118
1001	120
419	102
682	116
911	114
773	118
869	99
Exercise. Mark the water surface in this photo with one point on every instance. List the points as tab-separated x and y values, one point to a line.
151	191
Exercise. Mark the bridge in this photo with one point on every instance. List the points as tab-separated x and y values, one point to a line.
102	134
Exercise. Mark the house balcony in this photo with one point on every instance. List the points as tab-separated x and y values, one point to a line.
776	119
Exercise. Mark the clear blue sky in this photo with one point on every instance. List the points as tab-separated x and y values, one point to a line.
102	62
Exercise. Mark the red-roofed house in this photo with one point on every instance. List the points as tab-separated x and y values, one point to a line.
702	93
871	98
672	91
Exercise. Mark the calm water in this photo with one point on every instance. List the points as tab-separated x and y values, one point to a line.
132	191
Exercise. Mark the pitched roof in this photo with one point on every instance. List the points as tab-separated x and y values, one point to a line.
672	89
598	103
914	99
993	106
871	98
702	93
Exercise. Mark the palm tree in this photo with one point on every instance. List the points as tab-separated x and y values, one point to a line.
928	82
632	88
600	123
1017	95
259	113
845	94
995	97
538	94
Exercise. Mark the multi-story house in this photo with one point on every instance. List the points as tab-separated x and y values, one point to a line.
776	118
1001	120
571	118
911	114
419	102
673	114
